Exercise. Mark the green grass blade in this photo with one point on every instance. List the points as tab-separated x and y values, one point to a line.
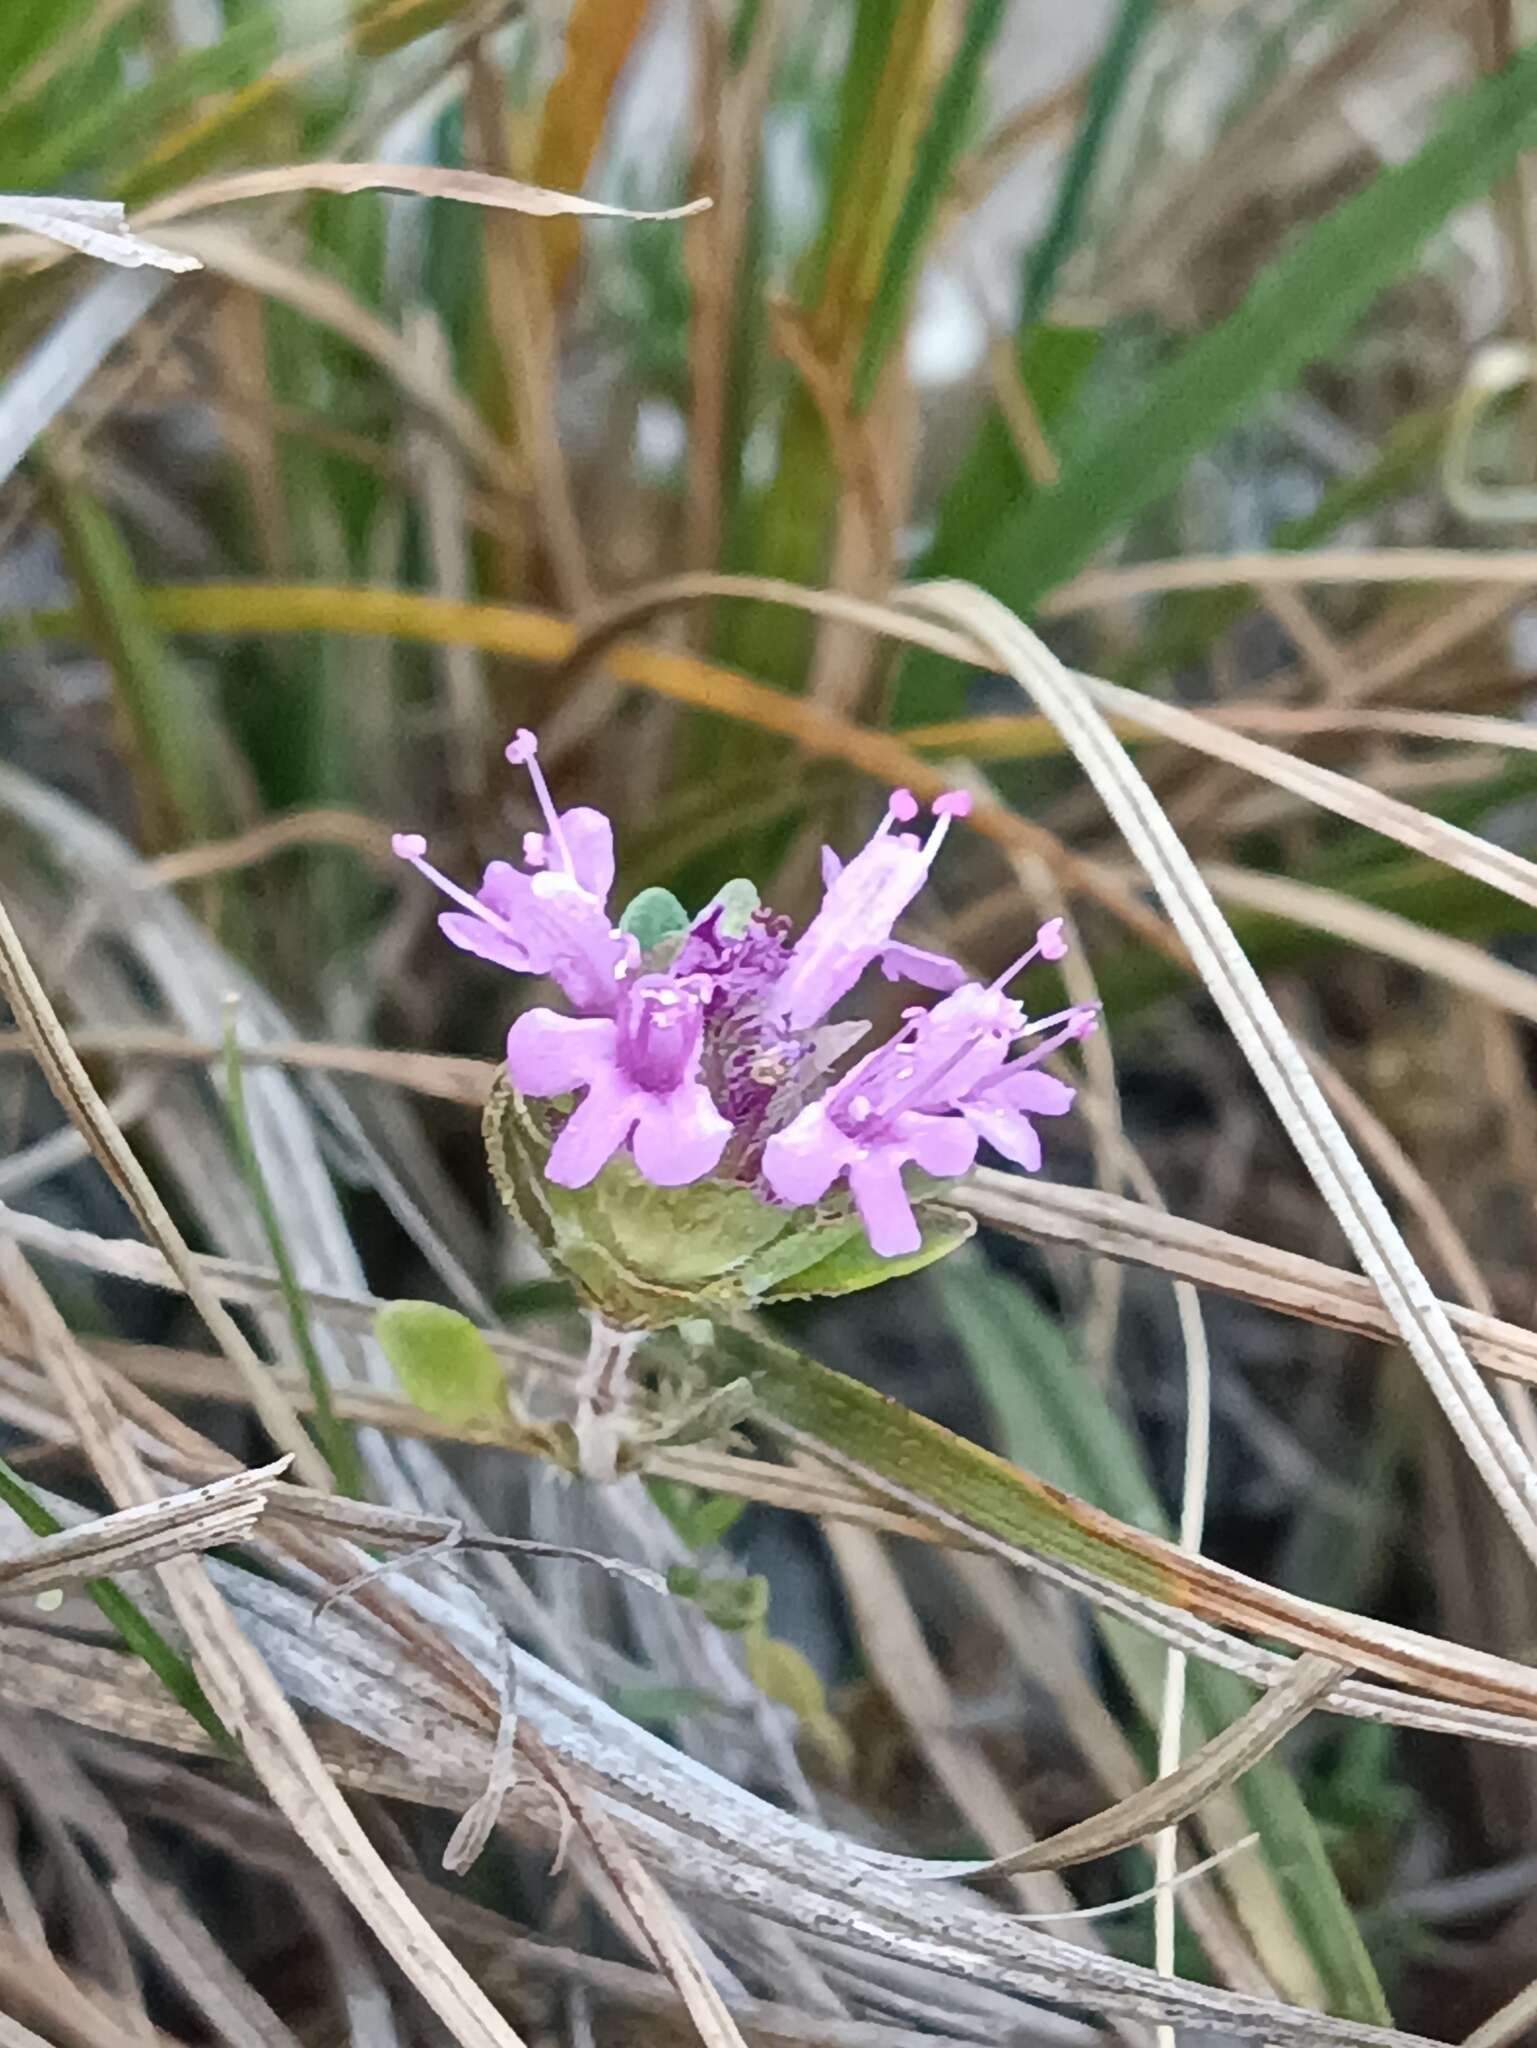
1298	309
1043	264
188	770
992	482
949	119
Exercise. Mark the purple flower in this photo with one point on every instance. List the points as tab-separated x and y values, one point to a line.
926	1098
862	903
640	1070
553	921
707	1054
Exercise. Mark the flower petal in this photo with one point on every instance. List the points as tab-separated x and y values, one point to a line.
548	1054
589	839
1007	1132
504	890
1027	1088
875	1182
593	1133
901	962
470	935
553	926
801	1162
943	1146
862	904
680	1136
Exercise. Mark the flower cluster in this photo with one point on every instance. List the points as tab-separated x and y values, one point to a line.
701	1045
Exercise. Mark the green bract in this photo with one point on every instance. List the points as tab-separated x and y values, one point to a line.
646	1257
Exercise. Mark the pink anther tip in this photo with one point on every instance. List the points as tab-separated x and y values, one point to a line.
902	805
955	803
522	747
408	845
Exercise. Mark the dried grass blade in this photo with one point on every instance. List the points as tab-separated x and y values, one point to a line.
78	1096
1454	961
1342	794
1252	1017
1111	1227
425	181
1170	1798
654	1913
231	253
94	227
248	1698
133	1538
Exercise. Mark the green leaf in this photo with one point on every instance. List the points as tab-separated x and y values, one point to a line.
1044	263
1299	308
734	1603
854	1266
781	1673
653	917
991	483
655	1705
443	1363
700	1518
190	776
942	140
736	900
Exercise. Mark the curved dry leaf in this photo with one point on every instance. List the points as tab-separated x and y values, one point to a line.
1322	566
1179	1792
94	227
424	181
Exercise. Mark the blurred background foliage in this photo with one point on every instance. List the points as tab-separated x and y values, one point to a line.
1075	302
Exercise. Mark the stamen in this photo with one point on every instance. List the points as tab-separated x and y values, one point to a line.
1076	1023
955	803
536	850
901	808
522	751
412	847
1049	945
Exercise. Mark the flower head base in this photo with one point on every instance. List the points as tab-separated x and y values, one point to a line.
700	1048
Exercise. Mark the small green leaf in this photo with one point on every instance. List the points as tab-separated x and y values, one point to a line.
653	917
731	1603
655	1705
443	1363
700	1518
852	1265
736	900
712	1419
781	1673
